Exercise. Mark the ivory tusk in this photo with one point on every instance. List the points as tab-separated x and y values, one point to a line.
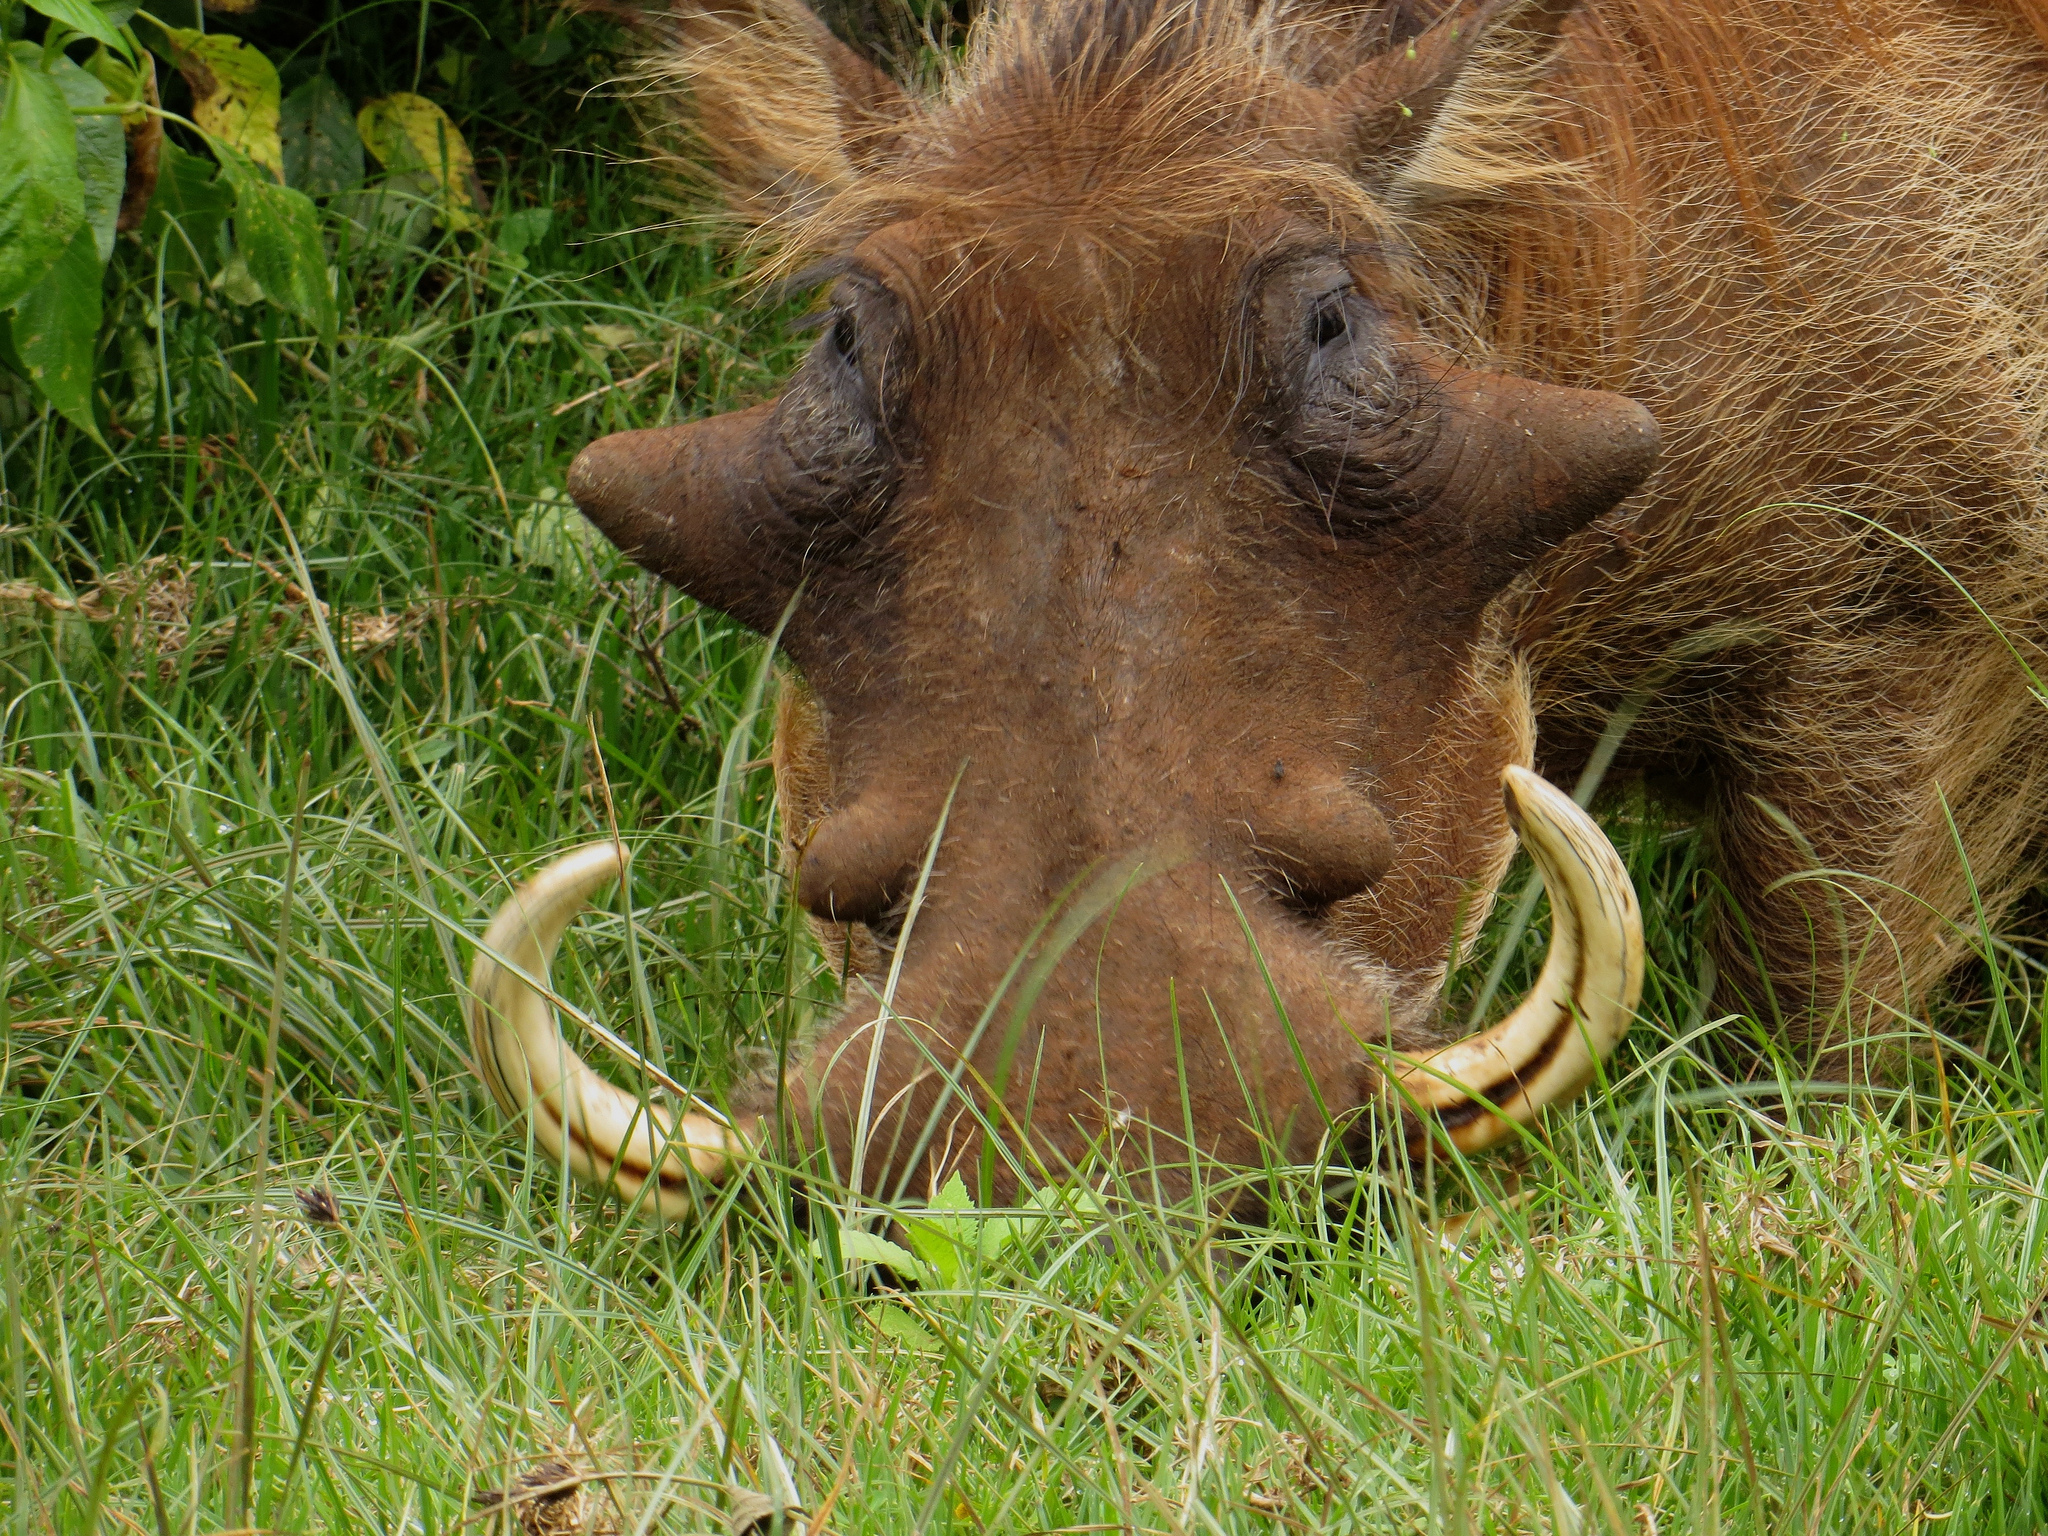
1474	1091
604	1134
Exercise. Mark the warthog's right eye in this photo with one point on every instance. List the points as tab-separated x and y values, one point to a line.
1359	423
845	338
836	468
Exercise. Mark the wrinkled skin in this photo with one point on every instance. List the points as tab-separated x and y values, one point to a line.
1179	587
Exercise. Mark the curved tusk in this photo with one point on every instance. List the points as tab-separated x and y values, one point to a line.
604	1134
1474	1091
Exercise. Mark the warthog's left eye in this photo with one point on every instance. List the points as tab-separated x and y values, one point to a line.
1329	323
1349	414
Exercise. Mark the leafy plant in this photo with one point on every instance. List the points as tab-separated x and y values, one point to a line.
223	203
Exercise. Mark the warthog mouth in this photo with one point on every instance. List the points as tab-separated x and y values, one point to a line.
1467	1094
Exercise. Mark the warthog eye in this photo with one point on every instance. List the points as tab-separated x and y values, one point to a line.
1359	425
1328	323
837	467
1354	422
845	338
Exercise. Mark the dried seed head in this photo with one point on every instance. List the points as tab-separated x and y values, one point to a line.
318	1207
752	1514
547	1500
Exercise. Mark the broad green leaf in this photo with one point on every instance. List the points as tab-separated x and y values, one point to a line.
938	1245
191	207
115	73
277	231
234	93
9	358
42	202
552	533
517	234
391	216
237	284
102	153
897	1324
409	133
866	1248
56	329
455	67
542	48
951	1228
83	16
519	231
322	151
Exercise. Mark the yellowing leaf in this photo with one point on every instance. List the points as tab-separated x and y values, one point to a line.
234	93
409	133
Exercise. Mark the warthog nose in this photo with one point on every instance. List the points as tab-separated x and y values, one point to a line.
1318	840
613	479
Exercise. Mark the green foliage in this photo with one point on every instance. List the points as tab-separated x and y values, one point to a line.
187	222
91	18
102	163
54	329
42	199
322	152
241	170
278	236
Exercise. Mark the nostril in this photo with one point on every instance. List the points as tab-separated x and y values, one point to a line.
1319	842
859	866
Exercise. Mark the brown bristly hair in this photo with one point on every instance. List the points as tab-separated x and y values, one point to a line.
1813	239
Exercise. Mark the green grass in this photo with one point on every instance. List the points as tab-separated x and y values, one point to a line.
1697	1308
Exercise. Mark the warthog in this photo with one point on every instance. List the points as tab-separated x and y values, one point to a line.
1231	455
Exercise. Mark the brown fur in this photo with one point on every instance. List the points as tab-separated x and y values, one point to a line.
1835	300
1812	240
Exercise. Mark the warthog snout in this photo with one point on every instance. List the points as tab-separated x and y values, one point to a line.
1137	553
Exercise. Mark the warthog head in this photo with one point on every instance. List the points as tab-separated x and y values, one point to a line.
1137	549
